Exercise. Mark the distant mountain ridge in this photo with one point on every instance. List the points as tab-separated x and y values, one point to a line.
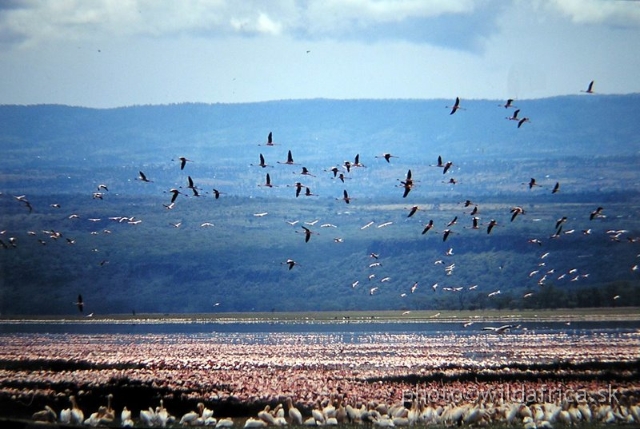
581	124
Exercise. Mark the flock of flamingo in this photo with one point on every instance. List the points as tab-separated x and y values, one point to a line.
342	172
380	379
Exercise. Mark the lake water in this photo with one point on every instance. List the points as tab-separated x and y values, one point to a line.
351	329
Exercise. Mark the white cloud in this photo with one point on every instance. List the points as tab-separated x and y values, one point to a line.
612	12
34	21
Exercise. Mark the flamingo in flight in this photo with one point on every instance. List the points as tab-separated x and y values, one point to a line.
175	193
514	117
515	211
508	104
407	184
307	233
291	263
263	164
267	182
386	156
217	193
183	162
346	198
357	161
80	303
289	160
455	106
589	88
532	183
492	223
142	177
413	211
556	188
522	121
269	140
306	172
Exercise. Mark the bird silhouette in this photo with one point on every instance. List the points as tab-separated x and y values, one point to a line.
345	197
455	107
596	213
289	160
522	121
556	188
514	117
263	164
142	177
589	88
386	156
508	104
183	162
267	182
79	303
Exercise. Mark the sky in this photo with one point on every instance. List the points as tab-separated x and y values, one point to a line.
112	53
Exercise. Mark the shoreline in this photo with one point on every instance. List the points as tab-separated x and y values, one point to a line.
601	314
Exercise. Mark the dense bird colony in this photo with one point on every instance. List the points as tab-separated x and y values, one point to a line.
238	374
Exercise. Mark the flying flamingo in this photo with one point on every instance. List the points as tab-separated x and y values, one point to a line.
289	160
79	303
589	88
386	156
269	140
263	164
142	177
413	211
508	104
291	263
346	198
427	227
183	162
307	233
455	106
522	121
267	182
514	117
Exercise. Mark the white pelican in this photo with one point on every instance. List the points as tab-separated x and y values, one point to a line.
125	418
224	423
294	413
77	416
46	415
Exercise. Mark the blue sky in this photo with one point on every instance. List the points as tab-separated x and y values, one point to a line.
108	53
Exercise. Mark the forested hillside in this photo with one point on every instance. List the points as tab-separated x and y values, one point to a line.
124	247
